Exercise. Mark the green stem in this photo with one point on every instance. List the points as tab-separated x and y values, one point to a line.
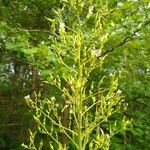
80	103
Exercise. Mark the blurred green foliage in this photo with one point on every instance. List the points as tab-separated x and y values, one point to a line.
26	61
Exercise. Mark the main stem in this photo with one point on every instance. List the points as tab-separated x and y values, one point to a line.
80	102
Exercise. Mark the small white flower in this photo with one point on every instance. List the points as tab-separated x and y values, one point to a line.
91	10
120	4
52	98
96	52
27	97
148	69
112	24
42	42
110	74
71	111
57	105
62	25
119	92
137	34
109	103
25	8
122	100
82	4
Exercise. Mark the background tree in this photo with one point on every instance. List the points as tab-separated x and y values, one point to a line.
24	42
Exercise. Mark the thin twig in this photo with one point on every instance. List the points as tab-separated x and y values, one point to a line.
125	40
